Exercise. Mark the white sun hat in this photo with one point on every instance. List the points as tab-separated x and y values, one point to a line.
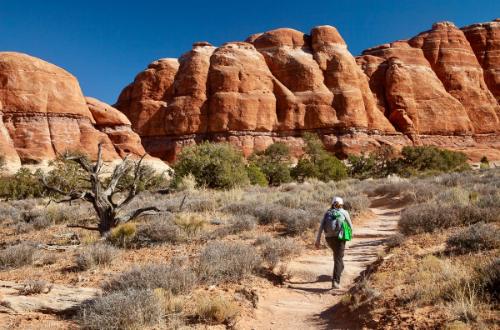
338	200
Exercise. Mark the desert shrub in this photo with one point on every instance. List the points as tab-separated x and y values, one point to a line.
489	278
123	235
274	162
275	250
263	239
435	279
22	185
37	218
238	224
215	309
171	278
190	223
256	176
159	230
35	287
241	208
9	212
475	238
356	203
296	221
432	216
226	262
60	213
377	164
202	203
128	310
395	240
95	255
16	256
214	165
186	183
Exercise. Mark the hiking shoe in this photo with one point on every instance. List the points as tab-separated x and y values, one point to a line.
335	285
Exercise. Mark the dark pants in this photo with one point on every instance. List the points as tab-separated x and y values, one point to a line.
338	248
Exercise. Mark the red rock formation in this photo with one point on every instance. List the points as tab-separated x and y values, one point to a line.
43	113
428	90
484	39
451	57
414	98
352	98
240	90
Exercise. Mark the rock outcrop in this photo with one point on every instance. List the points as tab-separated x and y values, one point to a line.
58	299
44	113
436	88
484	38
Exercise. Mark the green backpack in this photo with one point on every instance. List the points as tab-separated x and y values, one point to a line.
347	232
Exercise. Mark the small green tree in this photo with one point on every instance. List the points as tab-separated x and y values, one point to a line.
256	176
377	164
275	163
430	159
317	162
214	165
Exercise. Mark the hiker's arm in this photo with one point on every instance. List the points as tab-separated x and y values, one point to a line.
320	231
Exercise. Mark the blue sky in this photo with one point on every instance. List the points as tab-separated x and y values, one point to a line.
106	43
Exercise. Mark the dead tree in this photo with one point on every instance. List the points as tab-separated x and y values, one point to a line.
109	207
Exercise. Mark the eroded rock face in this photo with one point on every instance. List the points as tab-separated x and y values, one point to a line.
352	99
451	57
43	114
484	39
413	97
280	83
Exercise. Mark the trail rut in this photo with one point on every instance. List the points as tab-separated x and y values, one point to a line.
306	301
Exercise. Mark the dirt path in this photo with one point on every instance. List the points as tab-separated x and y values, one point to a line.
305	302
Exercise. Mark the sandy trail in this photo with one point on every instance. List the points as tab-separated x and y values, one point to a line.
305	302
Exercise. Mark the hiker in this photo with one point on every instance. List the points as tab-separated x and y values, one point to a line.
336	234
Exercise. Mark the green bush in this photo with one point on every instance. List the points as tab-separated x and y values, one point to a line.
256	176
214	165
304	169
318	163
67	175
274	162
428	159
22	185
412	161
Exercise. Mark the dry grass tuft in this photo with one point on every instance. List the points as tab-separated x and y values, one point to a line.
215	309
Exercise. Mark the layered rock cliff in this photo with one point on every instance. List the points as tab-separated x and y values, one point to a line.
43	113
440	87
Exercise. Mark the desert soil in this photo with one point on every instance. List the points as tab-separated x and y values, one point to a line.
306	300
